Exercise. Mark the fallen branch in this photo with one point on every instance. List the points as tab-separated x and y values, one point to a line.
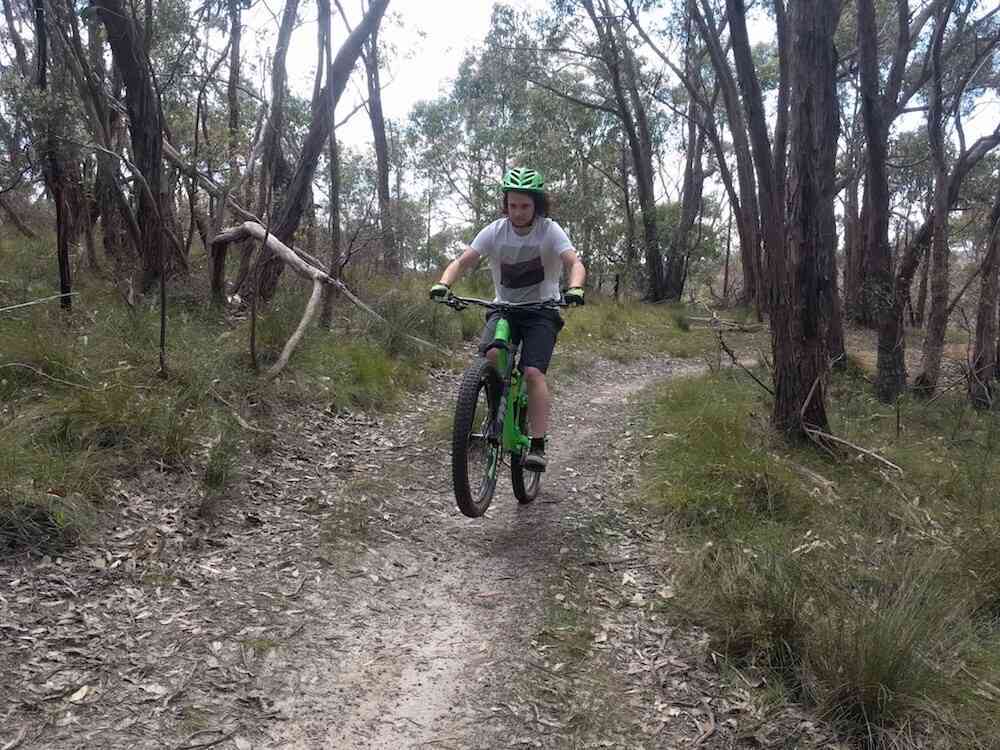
814	433
706	731
293	342
210	743
242	422
736	361
49	377
38	301
307	270
731	325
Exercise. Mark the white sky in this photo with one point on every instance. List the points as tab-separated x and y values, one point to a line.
430	37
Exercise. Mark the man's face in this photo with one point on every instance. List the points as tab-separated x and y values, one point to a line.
520	209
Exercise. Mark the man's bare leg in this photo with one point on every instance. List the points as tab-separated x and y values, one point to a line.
538	401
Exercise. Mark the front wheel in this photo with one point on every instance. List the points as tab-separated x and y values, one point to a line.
475	450
525	483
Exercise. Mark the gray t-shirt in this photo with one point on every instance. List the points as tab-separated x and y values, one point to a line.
525	268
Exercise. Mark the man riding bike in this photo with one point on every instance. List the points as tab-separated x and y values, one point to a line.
527	253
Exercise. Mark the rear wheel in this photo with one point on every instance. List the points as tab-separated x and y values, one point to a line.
525	483
475	454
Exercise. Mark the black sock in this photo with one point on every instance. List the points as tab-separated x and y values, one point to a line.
538	444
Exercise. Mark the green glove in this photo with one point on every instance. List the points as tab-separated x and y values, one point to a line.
574	296
439	292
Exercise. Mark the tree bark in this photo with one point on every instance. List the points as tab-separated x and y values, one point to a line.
631	111
691	191
800	313
937	322
983	372
274	172
748	215
390	253
287	221
769	195
146	128
53	167
691	202
920	309
333	262
891	376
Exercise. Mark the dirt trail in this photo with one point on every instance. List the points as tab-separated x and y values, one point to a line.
461	615
341	601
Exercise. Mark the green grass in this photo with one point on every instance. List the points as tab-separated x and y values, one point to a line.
715	466
82	401
871	595
633	331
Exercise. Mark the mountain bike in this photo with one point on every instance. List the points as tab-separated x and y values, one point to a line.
491	416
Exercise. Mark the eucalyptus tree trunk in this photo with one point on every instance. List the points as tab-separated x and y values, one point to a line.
390	252
620	67
627	208
770	189
800	275
854	248
218	259
691	203
333	160
937	322
274	175
118	226
983	366
891	377
747	209
232	88
274	168
146	130
53	162
288	219
920	308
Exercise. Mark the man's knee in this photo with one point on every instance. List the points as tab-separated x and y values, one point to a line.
533	374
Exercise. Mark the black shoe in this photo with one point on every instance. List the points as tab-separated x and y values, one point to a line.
535	460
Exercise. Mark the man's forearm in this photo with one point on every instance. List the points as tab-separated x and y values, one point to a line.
577	275
468	259
452	272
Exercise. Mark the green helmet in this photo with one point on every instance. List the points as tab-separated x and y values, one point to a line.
520	178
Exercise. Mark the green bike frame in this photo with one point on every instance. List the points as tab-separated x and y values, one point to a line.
513	397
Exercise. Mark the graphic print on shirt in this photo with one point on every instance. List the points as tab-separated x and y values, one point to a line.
524	274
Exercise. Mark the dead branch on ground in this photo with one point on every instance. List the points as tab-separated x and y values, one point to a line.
728	325
736	361
307	270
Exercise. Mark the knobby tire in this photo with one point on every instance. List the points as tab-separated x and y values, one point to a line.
474	460
525	483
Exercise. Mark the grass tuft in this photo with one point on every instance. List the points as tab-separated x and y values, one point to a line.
720	470
873	597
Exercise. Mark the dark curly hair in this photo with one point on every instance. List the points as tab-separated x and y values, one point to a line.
541	201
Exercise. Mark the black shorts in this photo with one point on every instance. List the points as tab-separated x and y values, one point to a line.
535	330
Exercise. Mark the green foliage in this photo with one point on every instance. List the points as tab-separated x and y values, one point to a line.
223	461
756	608
83	404
41	496
872	596
875	662
719	471
626	332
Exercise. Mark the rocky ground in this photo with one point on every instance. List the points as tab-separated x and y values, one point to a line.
337	599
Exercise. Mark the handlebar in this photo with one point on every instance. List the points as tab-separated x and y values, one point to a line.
460	303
